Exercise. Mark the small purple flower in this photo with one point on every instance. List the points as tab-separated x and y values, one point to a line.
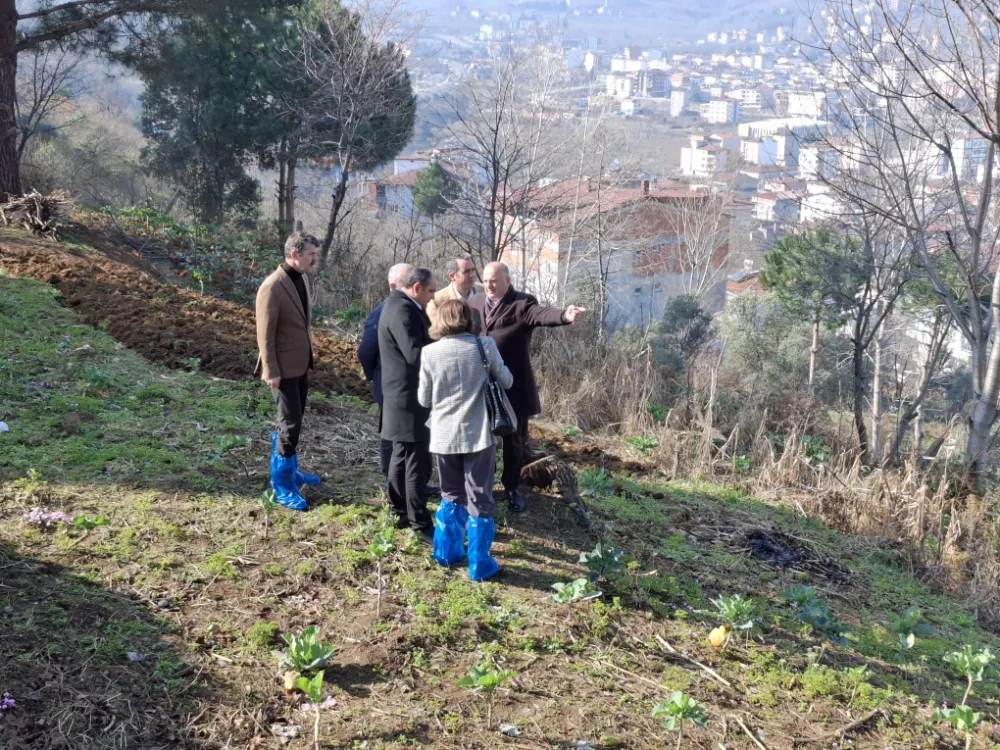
44	518
6	702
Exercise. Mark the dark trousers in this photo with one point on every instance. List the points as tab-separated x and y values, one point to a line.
513	452
384	454
384	447
409	470
291	399
467	479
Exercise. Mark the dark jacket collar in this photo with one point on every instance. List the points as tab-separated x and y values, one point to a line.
287	283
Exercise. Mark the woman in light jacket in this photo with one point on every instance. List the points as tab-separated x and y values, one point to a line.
452	375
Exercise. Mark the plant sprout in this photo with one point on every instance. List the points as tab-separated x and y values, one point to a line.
305	652
970	664
676	710
736	613
381	547
89	524
487	680
578	590
270	504
908	625
602	561
963	718
313	688
816	614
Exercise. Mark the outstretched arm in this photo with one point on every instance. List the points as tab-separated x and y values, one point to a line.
537	315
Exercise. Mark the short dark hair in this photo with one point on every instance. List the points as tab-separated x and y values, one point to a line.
452	265
454	316
417	276
298	241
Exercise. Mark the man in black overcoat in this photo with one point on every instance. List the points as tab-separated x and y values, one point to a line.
403	330
509	317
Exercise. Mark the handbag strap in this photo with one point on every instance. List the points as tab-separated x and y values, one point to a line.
482	353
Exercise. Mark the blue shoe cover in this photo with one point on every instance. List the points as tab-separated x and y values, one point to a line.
481	533
300	478
449	532
282	477
310	479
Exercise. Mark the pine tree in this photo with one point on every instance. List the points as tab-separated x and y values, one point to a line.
433	191
86	24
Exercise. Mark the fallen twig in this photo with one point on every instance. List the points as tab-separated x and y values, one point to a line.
838	732
748	733
654	683
708	670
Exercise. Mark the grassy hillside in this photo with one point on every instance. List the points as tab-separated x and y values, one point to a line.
161	629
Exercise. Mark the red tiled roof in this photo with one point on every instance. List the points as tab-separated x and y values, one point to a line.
553	205
751	284
777	196
403	179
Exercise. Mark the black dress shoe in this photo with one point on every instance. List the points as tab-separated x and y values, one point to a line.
433	490
516	500
400	522
425	535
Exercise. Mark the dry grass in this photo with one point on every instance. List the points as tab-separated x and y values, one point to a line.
597	386
951	536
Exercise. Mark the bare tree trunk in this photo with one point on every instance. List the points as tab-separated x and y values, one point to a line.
290	196
281	193
984	414
10	175
914	411
339	193
813	352
876	440
918	435
859	400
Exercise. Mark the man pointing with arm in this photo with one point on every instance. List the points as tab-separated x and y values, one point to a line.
509	317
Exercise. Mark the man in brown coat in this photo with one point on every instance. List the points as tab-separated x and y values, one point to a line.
509	317
284	317
462	273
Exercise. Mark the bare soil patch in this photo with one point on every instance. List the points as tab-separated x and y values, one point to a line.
118	291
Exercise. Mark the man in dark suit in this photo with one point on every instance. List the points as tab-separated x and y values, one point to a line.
403	330
370	362
510	317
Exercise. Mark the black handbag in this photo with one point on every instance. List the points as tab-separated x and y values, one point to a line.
498	408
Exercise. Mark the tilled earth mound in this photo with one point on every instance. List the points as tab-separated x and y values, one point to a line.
121	293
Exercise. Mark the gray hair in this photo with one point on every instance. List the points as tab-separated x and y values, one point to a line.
452	265
398	272
417	276
298	241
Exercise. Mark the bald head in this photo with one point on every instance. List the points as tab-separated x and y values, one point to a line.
496	280
397	273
